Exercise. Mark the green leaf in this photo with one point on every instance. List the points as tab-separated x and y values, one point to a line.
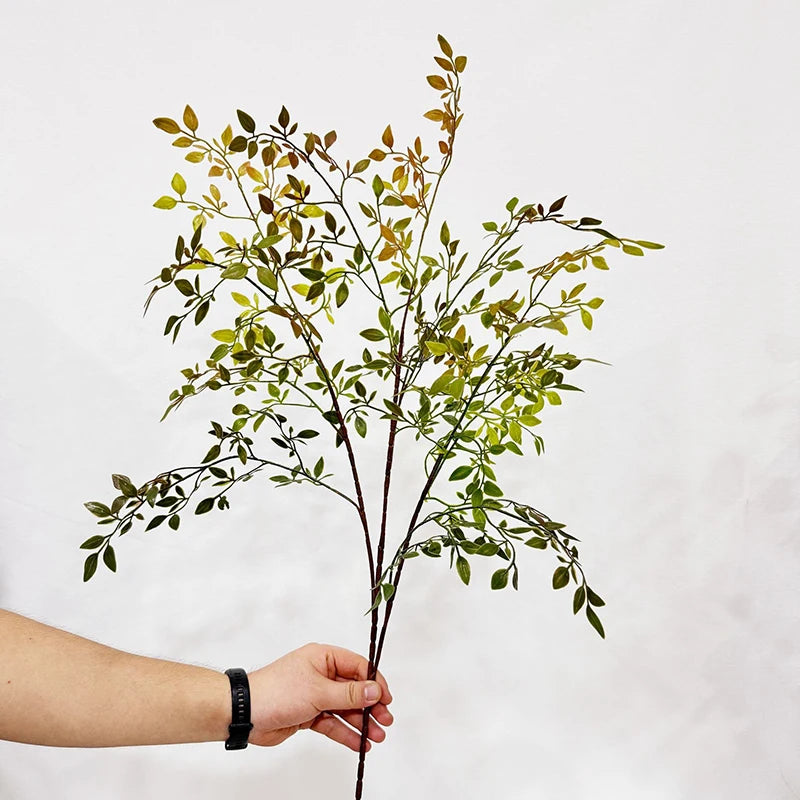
98	509
220	351
179	184
463	569
155	522
595	621
174	521
578	599
441	383
268	278
234	271
90	566
211	454
377	185
456	388
225	335
384	319
586	318
649	245
312	274
376	603
373	334
537	543
500	579
204	505
307	434
315	290
246	121
560	578
492	489
361	427
165	202
342	291
92	542
595	302
388	591
459	473
444	234
202	311
184	287
594	599
123	483
110	558
393	408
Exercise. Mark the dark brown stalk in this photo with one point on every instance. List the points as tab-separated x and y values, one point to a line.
362	513
373	636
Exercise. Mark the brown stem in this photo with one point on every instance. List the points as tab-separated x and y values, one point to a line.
373	635
362	513
314	352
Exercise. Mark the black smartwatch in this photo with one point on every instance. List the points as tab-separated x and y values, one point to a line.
240	726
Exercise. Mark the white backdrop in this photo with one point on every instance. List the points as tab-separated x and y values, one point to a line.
672	121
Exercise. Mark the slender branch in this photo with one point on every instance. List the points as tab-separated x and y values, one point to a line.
314	352
431	478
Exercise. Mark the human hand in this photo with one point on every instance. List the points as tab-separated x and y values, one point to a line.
321	687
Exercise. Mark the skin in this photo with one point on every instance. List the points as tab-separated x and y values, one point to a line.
62	690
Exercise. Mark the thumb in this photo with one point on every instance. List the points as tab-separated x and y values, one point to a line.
349	694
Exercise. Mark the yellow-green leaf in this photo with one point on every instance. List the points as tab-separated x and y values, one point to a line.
437	348
179	184
166	124
190	119
165	202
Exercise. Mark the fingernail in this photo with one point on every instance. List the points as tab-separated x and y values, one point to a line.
372	692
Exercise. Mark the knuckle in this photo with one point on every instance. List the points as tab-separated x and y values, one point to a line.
353	693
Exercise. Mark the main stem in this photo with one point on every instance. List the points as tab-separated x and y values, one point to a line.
376	587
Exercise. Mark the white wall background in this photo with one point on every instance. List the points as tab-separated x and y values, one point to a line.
678	467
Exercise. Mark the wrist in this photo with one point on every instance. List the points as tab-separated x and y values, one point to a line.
215	706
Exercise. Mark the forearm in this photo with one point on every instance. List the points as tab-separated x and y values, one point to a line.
60	689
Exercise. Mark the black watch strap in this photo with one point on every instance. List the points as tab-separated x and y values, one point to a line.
240	726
